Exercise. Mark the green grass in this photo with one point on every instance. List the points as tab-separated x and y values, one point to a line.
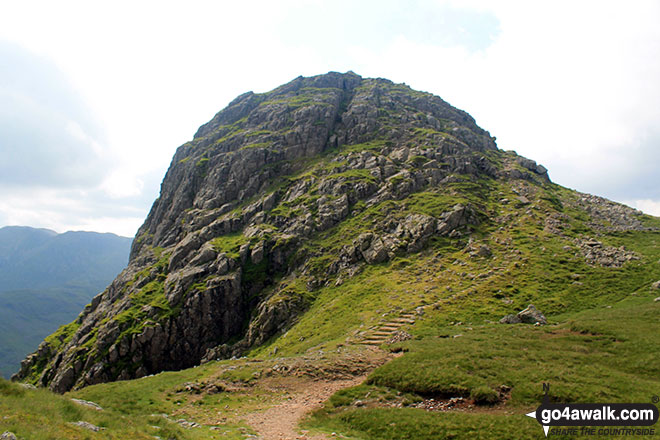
598	355
230	244
63	335
134	409
432	202
409	423
40	414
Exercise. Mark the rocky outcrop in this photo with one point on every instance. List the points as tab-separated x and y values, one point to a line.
610	216
533	166
595	253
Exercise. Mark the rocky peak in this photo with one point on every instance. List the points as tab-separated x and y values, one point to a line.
279	194
233	156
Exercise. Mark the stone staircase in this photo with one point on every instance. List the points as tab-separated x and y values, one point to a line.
382	333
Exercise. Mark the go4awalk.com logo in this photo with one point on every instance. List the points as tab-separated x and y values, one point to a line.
591	418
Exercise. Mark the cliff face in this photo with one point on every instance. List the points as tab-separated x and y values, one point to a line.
279	194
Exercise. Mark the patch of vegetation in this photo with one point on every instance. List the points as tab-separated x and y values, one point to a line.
375	146
256	145
258	133
418	161
432	202
319	97
230	244
356	175
63	335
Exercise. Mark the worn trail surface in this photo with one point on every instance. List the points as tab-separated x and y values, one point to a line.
280	422
304	385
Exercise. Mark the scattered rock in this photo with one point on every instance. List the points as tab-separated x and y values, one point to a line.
657	299
399	336
610	216
8	436
481	251
186	424
596	253
523	201
555	223
656	285
452	403
87	425
27	386
88	404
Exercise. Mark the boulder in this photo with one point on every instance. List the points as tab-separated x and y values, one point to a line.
530	315
510	319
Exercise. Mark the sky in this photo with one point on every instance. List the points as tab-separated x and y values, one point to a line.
95	97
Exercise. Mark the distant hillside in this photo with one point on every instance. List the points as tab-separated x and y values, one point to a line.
45	278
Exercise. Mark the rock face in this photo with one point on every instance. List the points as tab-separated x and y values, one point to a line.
278	195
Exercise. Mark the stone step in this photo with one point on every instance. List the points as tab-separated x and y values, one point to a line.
390	327
403	321
378	337
370	342
382	333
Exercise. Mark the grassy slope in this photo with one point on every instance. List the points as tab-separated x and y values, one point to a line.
134	409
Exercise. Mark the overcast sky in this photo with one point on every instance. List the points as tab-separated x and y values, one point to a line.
96	96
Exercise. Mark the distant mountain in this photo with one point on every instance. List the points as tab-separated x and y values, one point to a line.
45	278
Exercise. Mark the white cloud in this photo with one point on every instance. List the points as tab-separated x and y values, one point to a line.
648	206
62	210
122	183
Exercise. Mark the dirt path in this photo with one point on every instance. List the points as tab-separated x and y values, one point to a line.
280	422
